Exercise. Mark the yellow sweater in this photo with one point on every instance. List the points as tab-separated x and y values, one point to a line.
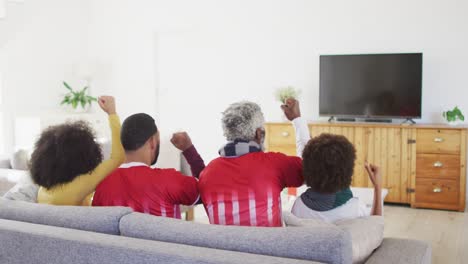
80	190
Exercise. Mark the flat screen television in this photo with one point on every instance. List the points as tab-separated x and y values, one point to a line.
371	86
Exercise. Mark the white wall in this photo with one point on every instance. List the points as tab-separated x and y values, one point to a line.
41	44
246	49
184	61
2	8
196	57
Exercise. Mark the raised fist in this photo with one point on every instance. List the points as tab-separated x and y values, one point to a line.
291	109
107	104
181	140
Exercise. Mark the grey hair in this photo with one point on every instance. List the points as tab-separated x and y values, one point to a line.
241	121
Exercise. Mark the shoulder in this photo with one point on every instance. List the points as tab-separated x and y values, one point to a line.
165	171
216	163
351	209
281	159
300	210
279	155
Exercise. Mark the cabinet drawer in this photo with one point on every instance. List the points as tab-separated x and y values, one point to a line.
281	135
438	141
437	191
439	166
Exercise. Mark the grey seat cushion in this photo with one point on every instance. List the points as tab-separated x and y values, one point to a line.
31	243
96	219
5	186
329	245
396	250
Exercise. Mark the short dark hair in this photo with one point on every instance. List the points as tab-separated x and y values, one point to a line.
64	152
136	130
328	163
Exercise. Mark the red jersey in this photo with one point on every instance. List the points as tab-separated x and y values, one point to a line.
246	190
146	190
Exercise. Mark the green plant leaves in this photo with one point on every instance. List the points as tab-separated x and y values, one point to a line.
286	92
75	98
67	86
454	115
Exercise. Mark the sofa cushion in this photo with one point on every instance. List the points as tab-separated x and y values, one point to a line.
366	232
5	185
397	250
10	177
96	219
366	235
26	192
20	159
328	245
56	245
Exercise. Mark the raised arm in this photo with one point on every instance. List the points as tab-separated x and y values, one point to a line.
183	142
376	179
293	112
87	183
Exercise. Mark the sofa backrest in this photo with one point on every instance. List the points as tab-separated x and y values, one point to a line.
96	219
328	245
31	243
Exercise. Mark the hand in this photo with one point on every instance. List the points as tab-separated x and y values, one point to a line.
107	104
181	140
291	109
374	175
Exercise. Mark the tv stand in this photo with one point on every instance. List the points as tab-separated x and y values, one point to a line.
409	120
409	155
346	119
378	120
341	119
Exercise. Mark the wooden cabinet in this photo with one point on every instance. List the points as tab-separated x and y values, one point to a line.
440	169
423	165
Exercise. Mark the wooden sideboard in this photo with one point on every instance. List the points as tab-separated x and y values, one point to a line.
423	165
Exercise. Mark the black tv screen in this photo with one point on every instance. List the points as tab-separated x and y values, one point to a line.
371	86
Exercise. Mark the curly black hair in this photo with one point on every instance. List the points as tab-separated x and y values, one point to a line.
64	152
328	163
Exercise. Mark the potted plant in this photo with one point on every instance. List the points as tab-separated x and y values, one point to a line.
78	100
454	117
287	92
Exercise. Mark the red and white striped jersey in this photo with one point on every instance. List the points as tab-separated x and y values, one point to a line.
146	190
246	190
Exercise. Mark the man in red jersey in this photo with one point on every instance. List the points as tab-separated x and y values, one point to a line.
150	190
243	186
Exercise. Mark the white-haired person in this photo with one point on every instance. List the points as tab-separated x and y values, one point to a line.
243	186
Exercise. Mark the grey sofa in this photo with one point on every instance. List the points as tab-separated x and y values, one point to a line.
35	233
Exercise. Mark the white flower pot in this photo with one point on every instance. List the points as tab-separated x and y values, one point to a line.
455	123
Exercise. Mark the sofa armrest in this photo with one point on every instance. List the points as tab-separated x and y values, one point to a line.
396	250
5	162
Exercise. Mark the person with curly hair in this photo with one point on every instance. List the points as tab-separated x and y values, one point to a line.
67	161
328	166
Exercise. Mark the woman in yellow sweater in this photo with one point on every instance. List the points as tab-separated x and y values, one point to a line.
67	161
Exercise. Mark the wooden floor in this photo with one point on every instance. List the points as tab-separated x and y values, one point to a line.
446	231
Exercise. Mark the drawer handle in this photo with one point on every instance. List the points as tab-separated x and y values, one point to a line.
438	140
437	190
285	134
438	164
